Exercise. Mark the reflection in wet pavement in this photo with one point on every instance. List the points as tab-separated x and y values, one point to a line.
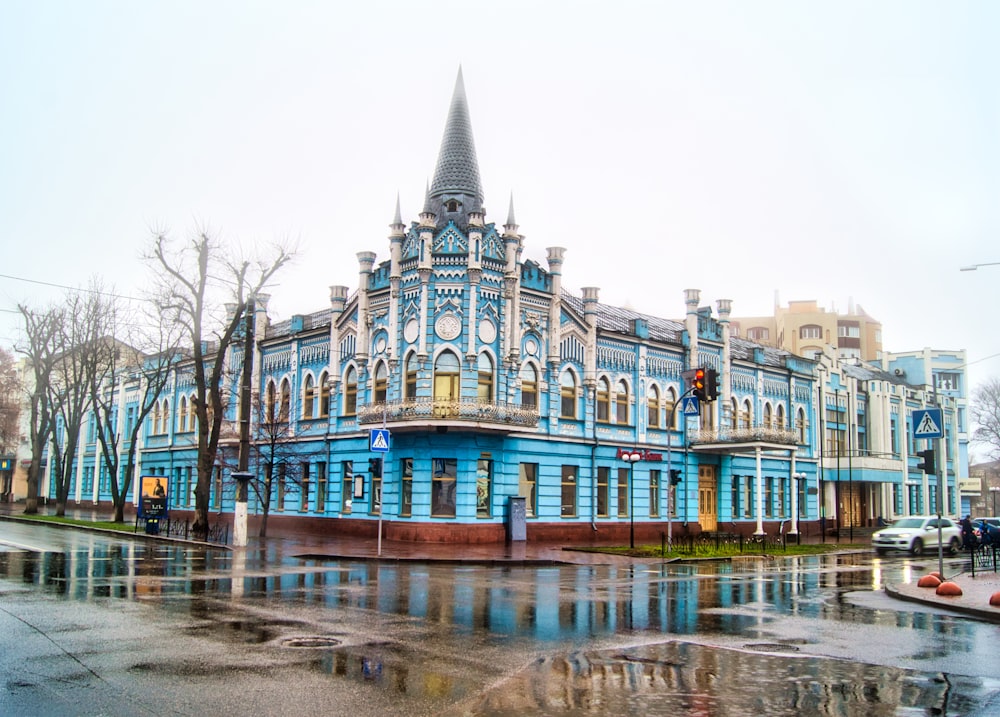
756	622
682	678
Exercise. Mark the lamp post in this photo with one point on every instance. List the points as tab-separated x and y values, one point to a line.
973	267
631	457
994	490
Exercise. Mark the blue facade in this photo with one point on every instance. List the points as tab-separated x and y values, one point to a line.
496	383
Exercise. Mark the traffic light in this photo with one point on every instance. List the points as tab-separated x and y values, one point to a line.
698	384
927	462
375	467
711	384
675	476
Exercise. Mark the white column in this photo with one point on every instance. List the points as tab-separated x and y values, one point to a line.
760	495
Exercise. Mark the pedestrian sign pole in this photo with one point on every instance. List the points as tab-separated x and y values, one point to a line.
378	442
928	423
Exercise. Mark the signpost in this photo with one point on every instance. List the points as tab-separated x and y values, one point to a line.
929	424
378	442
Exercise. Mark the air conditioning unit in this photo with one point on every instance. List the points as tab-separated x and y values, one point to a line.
900	372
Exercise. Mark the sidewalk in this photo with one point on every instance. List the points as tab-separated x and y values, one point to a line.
974	600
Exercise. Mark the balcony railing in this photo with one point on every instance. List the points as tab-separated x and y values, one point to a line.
783	436
464	409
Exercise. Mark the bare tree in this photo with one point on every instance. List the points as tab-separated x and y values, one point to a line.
42	336
195	281
985	413
82	345
136	364
10	403
280	462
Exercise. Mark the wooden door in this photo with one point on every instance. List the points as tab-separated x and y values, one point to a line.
707	499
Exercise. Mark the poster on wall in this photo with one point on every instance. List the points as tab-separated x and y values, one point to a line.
153	496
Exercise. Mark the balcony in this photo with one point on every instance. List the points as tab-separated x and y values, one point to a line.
418	413
728	440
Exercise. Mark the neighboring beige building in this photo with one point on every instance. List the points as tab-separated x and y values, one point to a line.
805	329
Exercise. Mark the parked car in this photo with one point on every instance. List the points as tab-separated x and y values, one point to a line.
915	533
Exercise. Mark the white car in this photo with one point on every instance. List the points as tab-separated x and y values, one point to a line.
915	533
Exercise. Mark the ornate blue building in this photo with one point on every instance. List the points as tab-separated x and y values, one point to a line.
497	385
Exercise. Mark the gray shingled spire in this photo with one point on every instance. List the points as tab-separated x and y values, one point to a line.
397	218
510	212
457	173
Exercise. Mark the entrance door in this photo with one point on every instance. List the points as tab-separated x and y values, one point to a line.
707	499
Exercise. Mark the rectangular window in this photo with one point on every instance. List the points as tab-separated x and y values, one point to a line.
304	502
621	409
781	497
443	487
749	509
320	487
803	486
736	496
376	476
603	477
568	500
218	488
188	485
406	487
624	492
484	487
768	497
527	482
654	493
347	494
280	491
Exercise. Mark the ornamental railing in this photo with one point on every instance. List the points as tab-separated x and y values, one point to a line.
463	409
745	435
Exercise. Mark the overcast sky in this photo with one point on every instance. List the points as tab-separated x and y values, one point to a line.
752	150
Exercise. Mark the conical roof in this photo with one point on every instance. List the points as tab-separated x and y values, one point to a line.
457	169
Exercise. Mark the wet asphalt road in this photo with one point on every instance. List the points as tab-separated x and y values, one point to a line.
98	625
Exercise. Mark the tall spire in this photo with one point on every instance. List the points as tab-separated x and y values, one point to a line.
456	189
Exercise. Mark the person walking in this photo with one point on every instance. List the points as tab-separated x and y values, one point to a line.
968	536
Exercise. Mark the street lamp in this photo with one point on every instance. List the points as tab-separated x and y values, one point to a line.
994	490
631	457
973	267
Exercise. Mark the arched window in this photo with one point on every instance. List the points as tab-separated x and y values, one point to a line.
165	425
351	392
780	417
485	380
603	401
670	408
621	404
800	426
734	408
381	383
156	419
324	395
529	386
768	420
182	415
308	402
447	375
192	414
270	402
746	415
567	394
286	398
653	407
411	377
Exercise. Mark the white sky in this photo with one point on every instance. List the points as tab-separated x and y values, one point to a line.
821	150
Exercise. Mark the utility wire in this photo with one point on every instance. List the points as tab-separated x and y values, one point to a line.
64	286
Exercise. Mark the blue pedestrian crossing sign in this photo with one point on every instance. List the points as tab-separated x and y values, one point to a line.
378	440
689	406
927	423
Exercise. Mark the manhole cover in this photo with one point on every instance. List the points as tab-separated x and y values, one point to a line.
309	642
770	647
